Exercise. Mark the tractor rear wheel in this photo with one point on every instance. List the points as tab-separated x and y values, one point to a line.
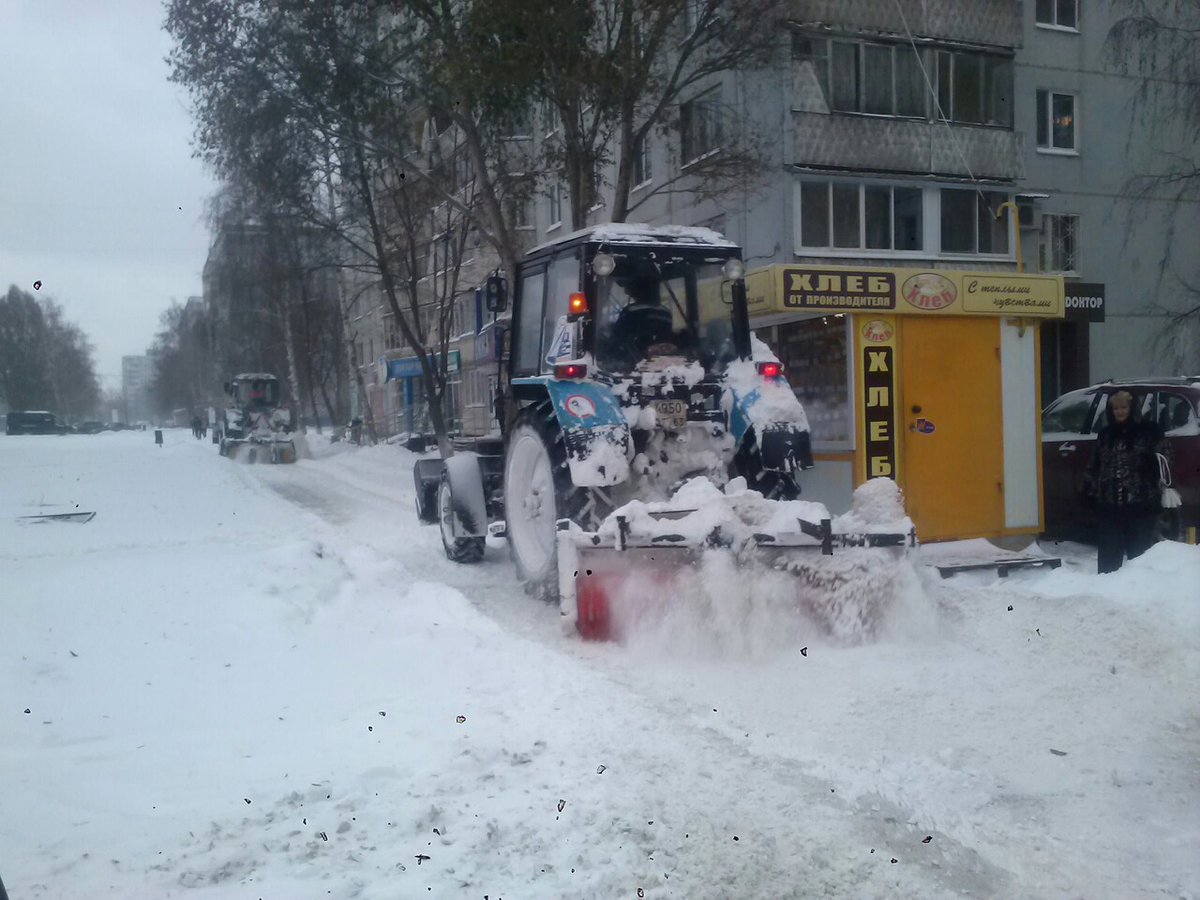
458	549
538	491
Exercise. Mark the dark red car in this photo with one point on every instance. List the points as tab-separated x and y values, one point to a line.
1069	427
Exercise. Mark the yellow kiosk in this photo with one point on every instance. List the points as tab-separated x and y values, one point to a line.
928	376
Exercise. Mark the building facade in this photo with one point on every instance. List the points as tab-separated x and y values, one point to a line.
137	372
980	135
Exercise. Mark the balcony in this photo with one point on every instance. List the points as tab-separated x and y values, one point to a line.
912	146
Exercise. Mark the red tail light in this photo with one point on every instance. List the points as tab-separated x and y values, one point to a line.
577	305
770	369
570	370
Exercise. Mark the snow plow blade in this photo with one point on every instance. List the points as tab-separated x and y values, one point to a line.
641	563
253	452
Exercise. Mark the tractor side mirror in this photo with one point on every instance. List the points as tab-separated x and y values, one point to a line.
495	294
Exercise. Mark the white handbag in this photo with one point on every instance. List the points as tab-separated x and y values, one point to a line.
1169	496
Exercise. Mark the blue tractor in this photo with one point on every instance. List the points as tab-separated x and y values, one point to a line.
631	372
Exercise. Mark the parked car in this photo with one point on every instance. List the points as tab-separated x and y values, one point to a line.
1069	428
35	421
89	427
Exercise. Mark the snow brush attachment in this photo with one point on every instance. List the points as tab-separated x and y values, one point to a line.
647	559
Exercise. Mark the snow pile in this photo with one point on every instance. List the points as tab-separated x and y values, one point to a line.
876	508
633	233
699	508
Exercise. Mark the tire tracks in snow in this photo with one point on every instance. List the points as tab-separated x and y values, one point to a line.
775	790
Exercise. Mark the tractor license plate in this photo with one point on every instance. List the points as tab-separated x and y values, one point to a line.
671	413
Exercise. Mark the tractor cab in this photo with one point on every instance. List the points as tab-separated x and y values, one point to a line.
624	298
662	304
254	391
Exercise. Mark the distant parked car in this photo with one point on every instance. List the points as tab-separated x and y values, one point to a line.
1069	428
90	427
35	421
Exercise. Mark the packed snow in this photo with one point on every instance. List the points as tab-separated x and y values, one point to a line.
267	681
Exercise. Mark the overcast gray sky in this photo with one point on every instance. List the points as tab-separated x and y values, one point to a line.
100	198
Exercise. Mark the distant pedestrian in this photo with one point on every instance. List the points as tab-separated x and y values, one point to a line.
1122	483
196	427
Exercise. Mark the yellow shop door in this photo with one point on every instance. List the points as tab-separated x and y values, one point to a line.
952	426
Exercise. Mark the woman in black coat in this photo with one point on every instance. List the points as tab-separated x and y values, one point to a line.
1122	483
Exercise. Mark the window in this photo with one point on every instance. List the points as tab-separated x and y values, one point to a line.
554	205
813	352
975	88
1067	416
1174	413
969	223
880	79
549	117
527	339
852	216
517	126
519	212
1058	13
562	281
441	254
1055	121
641	163
464	170
391	333
1058	250
700	126
464	318
693	14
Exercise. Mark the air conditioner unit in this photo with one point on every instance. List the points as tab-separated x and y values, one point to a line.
1026	213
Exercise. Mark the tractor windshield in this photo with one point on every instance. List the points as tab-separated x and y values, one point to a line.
258	392
661	304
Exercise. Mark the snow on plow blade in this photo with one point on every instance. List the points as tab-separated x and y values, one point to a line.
262	452
647	559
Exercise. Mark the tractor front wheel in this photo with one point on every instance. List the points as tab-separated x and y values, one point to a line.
536	477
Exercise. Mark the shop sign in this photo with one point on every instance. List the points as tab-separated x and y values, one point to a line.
1026	295
929	291
946	292
839	289
879	411
410	366
1084	301
877	331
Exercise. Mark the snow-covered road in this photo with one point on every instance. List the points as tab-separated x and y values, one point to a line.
269	682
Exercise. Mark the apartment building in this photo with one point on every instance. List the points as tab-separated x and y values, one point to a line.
976	135
137	373
1088	142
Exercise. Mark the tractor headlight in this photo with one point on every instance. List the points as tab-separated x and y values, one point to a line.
734	268
603	264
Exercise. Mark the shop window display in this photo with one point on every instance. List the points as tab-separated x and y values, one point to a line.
814	353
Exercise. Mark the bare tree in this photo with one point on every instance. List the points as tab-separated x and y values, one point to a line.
285	91
45	361
613	73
